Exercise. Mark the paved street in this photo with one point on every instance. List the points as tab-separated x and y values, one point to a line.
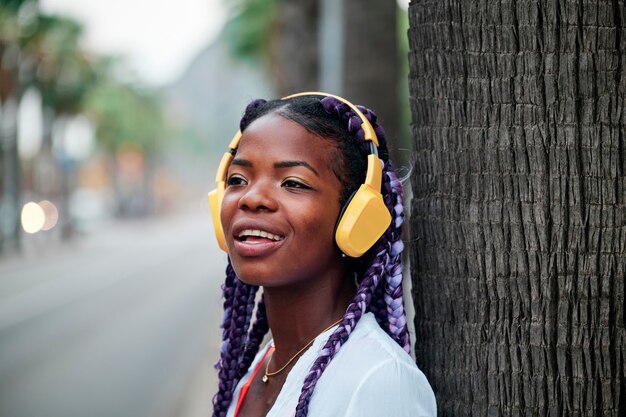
122	322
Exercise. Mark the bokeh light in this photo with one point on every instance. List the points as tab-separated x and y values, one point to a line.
33	217
51	214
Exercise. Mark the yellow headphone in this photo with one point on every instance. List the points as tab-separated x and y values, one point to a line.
364	218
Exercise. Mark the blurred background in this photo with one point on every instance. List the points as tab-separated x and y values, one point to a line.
113	116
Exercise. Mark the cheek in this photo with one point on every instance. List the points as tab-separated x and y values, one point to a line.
323	224
229	203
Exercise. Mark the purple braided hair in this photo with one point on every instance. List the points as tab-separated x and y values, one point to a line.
228	290
379	308
238	306
393	290
258	331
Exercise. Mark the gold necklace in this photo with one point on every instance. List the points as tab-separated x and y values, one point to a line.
267	374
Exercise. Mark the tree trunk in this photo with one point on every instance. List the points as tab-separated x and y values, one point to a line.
519	208
294	60
372	64
370	67
10	167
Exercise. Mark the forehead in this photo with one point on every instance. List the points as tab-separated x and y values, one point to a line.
276	138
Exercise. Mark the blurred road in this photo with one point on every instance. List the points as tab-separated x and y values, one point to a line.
119	323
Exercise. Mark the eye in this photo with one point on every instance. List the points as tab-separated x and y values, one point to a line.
291	183
236	180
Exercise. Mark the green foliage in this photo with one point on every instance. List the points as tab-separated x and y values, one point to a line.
65	72
249	29
403	37
403	87
12	4
16	19
124	115
48	55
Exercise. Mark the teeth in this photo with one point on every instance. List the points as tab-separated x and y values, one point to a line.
260	233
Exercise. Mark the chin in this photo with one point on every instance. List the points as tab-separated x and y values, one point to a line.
251	275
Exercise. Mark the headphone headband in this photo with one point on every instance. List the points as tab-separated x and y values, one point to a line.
368	130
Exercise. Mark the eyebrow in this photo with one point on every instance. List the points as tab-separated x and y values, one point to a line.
241	162
289	164
282	164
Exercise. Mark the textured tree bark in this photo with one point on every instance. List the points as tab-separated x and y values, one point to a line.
519	208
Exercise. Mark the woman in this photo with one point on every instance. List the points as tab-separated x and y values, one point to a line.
331	280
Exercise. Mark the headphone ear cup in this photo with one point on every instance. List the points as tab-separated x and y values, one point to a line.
363	222
215	202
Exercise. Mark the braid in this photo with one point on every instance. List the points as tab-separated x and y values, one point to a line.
228	290
237	314
396	316
257	333
379	308
354	312
394	320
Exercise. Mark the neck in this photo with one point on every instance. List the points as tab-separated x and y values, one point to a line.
298	315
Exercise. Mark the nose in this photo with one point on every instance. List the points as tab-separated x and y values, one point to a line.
259	195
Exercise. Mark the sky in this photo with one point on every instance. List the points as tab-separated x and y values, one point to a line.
159	38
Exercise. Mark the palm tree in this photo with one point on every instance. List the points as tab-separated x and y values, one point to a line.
294	54
130	126
43	52
371	69
518	215
64	75
281	35
13	31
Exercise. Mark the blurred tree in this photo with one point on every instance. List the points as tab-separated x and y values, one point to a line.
371	69
281	34
285	35
126	114
63	73
16	23
128	117
43	52
519	208
249	30
130	127
294	51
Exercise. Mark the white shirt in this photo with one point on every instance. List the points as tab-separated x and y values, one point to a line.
370	376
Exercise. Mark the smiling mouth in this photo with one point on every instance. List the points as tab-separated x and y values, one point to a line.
258	236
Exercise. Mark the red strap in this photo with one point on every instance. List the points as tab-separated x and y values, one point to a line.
246	386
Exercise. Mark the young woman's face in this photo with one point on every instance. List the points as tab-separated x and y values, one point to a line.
281	205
